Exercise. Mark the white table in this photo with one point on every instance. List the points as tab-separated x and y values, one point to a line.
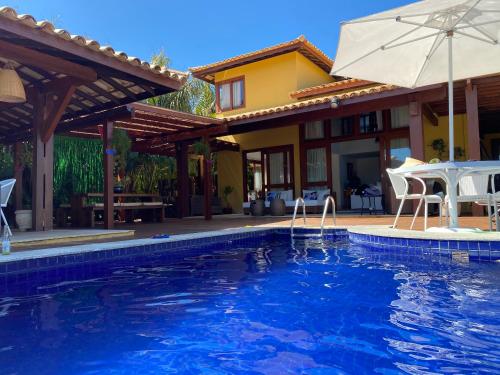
451	172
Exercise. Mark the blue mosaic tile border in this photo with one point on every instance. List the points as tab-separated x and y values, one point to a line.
174	248
481	250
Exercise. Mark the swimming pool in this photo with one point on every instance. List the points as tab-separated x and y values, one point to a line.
263	306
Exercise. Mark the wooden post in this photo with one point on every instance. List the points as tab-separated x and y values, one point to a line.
473	140
181	155
108	164
416	130
18	174
42	170
207	182
416	138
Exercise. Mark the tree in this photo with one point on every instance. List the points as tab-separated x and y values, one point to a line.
195	96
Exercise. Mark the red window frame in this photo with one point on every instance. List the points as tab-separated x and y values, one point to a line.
230	82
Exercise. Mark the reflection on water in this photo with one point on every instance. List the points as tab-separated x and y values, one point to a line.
307	306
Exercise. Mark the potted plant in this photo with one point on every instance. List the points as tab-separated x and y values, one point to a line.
228	190
439	145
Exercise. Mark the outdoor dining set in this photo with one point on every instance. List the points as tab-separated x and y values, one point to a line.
471	181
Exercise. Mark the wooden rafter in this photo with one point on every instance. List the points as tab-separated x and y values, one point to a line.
31	57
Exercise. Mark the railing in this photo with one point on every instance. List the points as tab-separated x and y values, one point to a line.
299	200
328	200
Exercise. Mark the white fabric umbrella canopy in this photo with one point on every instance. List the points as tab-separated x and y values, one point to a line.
424	43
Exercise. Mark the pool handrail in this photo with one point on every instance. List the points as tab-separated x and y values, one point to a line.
297	201
325	211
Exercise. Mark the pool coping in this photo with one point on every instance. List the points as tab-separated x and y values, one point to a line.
373	236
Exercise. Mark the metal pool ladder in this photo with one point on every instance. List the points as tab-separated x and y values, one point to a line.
297	201
328	200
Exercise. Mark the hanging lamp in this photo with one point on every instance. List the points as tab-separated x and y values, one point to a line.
11	86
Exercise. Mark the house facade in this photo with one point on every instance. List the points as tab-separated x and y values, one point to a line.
300	129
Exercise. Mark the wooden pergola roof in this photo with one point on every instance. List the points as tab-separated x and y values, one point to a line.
87	77
152	129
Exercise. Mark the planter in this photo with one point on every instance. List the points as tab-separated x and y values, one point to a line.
24	220
257	207
278	207
118	189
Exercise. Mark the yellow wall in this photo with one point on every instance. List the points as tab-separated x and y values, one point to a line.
269	82
229	163
432	132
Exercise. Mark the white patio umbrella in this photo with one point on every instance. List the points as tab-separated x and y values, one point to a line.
423	43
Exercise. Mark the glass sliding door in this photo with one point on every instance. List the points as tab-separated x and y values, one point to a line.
268	169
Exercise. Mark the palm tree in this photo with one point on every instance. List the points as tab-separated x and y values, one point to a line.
195	96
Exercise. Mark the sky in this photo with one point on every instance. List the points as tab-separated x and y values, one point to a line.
197	32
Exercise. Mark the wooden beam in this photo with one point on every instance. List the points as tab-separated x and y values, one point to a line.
56	104
473	139
430	115
96	58
198	133
32	57
108	163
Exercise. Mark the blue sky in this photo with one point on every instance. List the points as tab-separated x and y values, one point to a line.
197	32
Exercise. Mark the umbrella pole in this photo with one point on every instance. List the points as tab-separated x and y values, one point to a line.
451	131
451	183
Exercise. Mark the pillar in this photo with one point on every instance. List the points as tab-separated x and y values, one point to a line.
416	139
473	140
416	130
207	183
18	175
181	155
42	170
108	165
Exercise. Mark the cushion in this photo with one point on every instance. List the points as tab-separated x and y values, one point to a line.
272	195
323	194
310	195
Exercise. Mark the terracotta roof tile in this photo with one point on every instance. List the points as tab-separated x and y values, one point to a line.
331	87
300	44
46	26
311	102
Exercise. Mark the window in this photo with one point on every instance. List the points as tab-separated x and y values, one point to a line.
400	117
231	94
316	165
370	122
342	126
315	130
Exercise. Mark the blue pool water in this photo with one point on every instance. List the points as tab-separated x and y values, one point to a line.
270	308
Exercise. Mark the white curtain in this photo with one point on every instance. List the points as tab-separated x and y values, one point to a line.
257	179
277	172
314	130
380	121
400	117
225	96
237	94
316	165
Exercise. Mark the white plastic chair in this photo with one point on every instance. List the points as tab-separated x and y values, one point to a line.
6	187
474	188
401	187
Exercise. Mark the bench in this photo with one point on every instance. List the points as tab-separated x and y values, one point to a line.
147	207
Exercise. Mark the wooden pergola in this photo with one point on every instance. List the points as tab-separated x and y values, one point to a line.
67	78
154	130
